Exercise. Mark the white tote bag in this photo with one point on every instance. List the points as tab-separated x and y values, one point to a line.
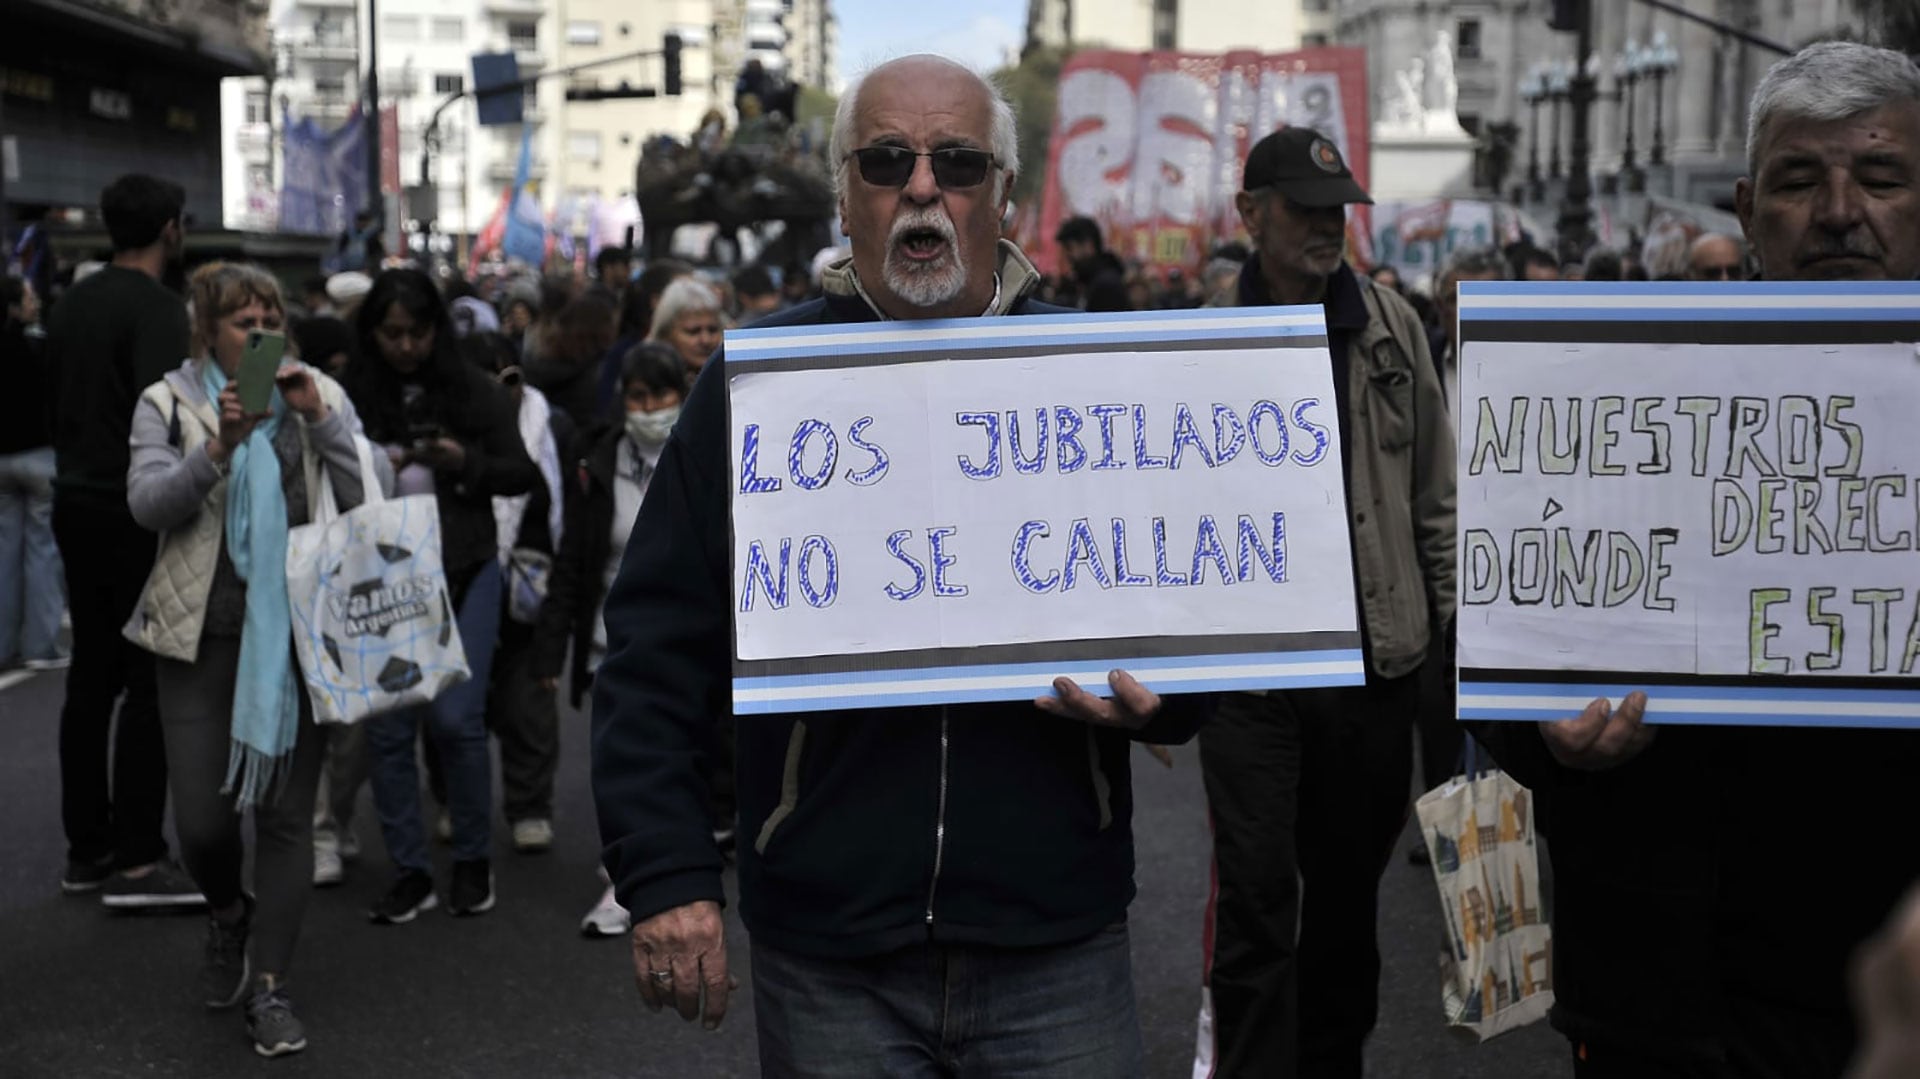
1496	966
374	624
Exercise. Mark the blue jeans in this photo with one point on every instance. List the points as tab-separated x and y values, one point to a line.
31	592
457	723
951	1011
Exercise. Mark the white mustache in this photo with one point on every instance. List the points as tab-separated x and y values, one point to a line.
921	218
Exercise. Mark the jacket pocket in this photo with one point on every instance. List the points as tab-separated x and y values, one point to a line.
789	787
1390	386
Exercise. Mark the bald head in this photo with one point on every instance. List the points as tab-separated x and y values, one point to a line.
955	77
1714	257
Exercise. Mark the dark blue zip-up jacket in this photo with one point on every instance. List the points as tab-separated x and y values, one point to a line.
861	831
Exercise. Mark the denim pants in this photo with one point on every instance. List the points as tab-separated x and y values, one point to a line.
951	1011
31	591
457	724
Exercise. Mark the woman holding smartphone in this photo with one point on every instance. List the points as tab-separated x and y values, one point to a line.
222	484
450	432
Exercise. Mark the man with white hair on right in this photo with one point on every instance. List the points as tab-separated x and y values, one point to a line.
931	891
1711	883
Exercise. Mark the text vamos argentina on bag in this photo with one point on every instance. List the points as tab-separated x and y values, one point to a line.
373	607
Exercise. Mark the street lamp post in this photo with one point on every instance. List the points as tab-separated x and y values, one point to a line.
1575	226
1659	60
1558	90
1626	70
1533	90
370	119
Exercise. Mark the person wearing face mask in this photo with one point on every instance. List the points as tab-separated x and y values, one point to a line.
614	465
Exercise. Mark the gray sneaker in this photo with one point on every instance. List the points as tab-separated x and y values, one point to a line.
223	961
164	887
275	1030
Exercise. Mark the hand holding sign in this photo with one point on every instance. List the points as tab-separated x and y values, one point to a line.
1133	705
1601	737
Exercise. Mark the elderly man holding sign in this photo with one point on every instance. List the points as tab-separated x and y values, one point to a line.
930	888
1711	881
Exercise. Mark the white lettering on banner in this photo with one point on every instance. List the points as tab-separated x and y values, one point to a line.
112	104
1689	509
1099	494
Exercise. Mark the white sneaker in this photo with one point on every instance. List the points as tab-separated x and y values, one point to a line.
533	835
607	918
327	870
349	846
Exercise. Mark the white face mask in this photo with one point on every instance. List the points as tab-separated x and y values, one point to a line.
650	429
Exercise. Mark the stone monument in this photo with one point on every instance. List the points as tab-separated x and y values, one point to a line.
1420	151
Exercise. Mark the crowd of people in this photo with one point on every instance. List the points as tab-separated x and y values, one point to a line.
572	436
129	467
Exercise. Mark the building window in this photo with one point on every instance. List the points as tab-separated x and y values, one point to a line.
523	34
530	98
449	29
329	89
1166	15
400	28
448	84
259	110
1466	39
584	146
583	32
1313	41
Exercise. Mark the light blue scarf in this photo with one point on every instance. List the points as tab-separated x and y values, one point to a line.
266	708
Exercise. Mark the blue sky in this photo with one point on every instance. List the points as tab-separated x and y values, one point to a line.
979	32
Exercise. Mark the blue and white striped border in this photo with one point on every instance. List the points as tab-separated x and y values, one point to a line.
1065	331
1026	681
1690	301
1746	706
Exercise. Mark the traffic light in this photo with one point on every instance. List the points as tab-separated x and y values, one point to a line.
670	53
1565	15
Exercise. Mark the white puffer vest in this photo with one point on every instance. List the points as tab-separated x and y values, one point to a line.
173	607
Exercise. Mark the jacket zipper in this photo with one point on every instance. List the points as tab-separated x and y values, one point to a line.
939	822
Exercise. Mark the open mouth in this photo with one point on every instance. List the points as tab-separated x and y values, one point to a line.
922	245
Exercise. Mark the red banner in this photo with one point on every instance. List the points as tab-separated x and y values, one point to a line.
1151	145
390	150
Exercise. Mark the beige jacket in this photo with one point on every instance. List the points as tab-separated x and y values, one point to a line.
174	489
1401	483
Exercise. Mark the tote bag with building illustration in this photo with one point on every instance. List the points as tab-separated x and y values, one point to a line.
1496	966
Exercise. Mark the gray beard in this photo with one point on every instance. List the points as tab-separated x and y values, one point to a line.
925	285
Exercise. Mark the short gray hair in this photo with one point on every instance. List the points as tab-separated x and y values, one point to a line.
1832	80
685	295
1003	132
1476	261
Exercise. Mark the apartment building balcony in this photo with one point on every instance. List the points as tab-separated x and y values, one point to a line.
516	7
253	141
501	169
329	47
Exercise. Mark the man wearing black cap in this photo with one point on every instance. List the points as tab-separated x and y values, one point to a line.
1308	789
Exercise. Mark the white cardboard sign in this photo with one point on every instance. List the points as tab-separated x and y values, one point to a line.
962	511
1708	492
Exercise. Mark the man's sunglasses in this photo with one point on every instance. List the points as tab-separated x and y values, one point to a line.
953	168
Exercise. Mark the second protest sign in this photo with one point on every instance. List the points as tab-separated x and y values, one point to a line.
965	510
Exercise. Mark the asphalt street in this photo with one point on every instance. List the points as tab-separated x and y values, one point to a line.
519	992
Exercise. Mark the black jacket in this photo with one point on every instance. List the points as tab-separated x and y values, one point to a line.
110	337
26	418
483	419
1103	282
1722	863
576	589
841	813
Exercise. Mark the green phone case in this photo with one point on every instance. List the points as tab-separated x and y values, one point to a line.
258	364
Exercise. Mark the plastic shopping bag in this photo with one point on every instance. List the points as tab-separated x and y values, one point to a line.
1496	970
374	624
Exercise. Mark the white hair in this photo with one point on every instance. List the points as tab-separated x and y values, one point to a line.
1003	133
686	295
1833	80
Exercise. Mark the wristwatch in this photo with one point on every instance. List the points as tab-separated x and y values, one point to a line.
219	466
